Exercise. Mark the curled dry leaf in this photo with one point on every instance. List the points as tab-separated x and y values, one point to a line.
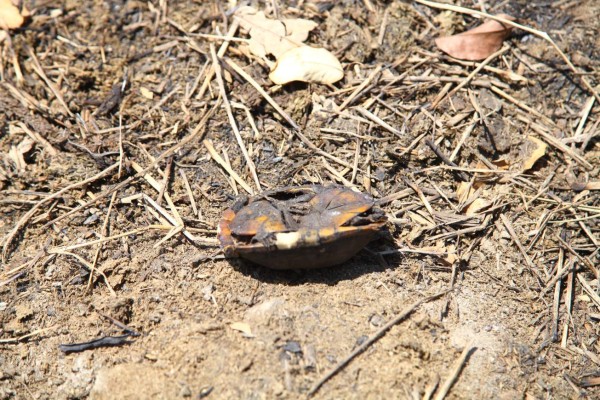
538	152
307	64
477	43
271	36
10	15
284	40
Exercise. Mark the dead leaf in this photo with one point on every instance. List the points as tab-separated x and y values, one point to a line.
536	154
147	93
477	205
10	15
307	64
242	327
17	153
477	43
270	36
284	39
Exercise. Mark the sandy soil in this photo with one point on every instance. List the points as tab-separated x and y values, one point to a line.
112	86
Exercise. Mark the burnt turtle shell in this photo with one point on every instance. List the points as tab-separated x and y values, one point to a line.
300	227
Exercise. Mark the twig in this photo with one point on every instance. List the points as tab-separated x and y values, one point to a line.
40	71
457	368
374	118
165	183
515	238
29	214
464	137
470	76
378	335
26	336
352	97
522	105
103	233
215	156
232	122
462	175
198	131
211	72
262	92
189	191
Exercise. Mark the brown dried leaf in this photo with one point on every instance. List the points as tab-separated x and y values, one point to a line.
307	64
10	15
477	43
271	36
536	154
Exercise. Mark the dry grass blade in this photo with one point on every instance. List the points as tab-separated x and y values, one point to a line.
8	239
471	76
198	132
232	121
262	92
215	156
26	336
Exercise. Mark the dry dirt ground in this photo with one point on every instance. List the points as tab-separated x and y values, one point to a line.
93	92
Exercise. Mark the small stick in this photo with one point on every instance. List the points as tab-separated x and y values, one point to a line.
515	238
232	122
461	174
464	137
458	366
471	76
584	115
431	388
172	220
557	290
374	118
569	303
29	214
378	335
165	183
215	156
262	92
103	233
40	71
157	186
522	105
356	158
589	290
38	138
26	336
189	191
88	265
232	183
211	72
352	97
419	193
